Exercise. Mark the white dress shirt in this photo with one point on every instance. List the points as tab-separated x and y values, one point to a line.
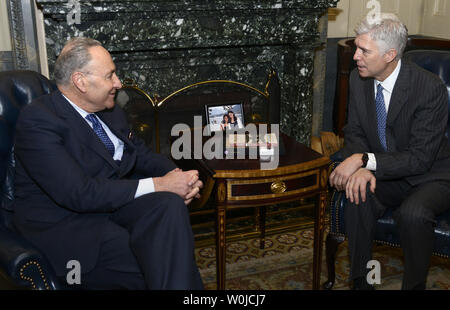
145	186
388	86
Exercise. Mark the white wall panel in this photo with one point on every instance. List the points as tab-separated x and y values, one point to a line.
5	41
409	11
436	18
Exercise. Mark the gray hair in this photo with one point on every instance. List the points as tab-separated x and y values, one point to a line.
387	31
74	56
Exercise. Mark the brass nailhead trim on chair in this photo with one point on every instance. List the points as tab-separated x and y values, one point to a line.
22	276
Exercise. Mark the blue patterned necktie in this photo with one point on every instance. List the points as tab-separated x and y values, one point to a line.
381	115
101	133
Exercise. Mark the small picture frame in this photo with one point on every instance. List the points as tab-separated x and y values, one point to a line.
220	117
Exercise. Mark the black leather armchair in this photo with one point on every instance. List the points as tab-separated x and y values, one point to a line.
21	264
438	62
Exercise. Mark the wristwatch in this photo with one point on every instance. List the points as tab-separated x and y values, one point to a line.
365	159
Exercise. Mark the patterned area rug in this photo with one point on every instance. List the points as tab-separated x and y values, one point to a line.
286	264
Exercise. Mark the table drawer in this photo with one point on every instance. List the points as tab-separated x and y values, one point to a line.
273	187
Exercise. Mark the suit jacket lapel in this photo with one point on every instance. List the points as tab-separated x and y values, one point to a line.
80	127
398	99
399	94
129	154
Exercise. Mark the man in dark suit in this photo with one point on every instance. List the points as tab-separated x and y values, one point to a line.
397	154
88	190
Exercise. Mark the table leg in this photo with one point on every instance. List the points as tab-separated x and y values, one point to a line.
220	248
319	223
262	226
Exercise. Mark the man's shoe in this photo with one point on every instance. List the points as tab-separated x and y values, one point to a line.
419	287
361	284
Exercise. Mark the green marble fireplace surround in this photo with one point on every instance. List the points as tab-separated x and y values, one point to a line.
164	45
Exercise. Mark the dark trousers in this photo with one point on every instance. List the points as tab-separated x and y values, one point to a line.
415	211
150	245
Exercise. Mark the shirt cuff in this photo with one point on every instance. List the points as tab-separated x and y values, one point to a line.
145	186
372	162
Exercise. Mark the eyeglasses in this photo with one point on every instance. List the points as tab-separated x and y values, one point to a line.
107	77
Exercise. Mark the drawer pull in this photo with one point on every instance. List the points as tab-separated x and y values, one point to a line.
278	187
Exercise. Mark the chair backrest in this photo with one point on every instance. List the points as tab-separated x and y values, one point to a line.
17	89
437	62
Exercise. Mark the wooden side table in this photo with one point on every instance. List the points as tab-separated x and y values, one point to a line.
241	183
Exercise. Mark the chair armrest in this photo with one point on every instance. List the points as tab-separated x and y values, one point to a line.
337	201
24	265
336	158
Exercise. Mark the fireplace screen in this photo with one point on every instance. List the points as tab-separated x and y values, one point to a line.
210	100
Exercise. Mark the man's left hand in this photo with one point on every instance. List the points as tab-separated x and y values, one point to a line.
194	193
357	184
341	174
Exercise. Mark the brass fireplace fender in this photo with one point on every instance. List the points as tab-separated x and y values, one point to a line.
158	102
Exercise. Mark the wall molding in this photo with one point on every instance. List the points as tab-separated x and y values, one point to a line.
24	41
439	8
17	35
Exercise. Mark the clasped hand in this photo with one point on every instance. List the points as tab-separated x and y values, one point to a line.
185	184
349	176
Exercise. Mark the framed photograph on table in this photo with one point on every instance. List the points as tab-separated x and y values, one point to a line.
221	117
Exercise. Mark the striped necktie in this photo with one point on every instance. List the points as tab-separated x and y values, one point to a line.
98	129
381	116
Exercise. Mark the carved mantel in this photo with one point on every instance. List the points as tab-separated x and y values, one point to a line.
167	44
